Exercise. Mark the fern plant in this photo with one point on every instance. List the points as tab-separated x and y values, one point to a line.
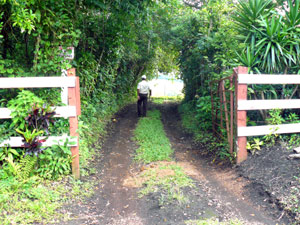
27	165
24	169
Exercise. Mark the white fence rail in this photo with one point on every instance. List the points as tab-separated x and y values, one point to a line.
71	111
268	104
39	82
268	79
245	105
52	140
60	111
36	82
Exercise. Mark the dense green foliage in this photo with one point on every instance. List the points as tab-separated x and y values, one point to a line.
33	200
216	37
221	35
207	41
271	34
115	43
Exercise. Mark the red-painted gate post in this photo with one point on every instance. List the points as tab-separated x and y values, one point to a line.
241	117
74	100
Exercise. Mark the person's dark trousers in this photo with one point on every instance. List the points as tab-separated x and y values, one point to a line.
143	100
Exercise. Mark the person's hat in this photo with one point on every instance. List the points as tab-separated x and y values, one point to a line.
144	77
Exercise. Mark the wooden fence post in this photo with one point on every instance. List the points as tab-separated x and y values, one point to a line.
73	97
241	117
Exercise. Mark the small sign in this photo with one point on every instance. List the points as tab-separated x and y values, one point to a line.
67	53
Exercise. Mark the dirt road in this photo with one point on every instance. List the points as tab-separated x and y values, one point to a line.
219	192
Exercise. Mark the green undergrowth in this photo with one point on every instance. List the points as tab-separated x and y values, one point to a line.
34	200
152	140
196	119
170	180
35	189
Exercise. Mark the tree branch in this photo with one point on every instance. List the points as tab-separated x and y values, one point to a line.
195	4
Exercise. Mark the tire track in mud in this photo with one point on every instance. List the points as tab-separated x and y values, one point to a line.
115	204
112	203
223	185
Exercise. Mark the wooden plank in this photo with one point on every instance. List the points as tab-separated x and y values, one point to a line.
61	111
5	113
52	140
264	130
36	82
73	121
268	79
268	104
65	111
78	101
242	89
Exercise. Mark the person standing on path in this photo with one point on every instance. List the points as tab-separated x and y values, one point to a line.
143	89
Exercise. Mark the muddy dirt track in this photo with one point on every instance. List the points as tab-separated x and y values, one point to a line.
220	192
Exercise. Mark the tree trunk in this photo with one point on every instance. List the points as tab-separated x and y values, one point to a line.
36	53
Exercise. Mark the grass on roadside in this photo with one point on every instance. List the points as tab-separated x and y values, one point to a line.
152	140
27	198
35	201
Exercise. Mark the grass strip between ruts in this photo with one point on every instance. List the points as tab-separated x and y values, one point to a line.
152	140
213	221
167	178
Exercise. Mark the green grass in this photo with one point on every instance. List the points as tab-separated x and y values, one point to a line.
37	201
152	140
169	180
166	178
213	222
161	100
27	201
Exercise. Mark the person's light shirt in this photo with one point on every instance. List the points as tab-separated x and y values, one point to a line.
143	87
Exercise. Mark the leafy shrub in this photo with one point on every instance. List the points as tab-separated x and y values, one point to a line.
203	112
6	130
55	162
196	117
275	117
20	107
31	118
7	152
198	122
32	142
40	117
